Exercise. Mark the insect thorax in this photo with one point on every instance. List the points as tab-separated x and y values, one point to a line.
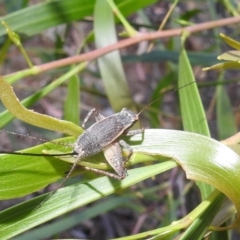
127	117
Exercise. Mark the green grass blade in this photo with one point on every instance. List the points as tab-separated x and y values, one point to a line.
49	230
45	15
25	216
71	106
194	120
110	65
196	58
192	112
197	230
39	17
225	118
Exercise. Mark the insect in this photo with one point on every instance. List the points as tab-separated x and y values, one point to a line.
104	136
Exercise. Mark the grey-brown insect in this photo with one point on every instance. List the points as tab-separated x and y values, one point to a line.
104	136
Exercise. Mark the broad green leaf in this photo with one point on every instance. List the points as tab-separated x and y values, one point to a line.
21	175
202	158
192	112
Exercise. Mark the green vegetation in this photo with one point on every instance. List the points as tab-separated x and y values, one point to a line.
75	55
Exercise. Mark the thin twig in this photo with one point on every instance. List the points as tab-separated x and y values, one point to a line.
136	39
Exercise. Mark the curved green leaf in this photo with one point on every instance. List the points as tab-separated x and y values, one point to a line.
203	159
16	108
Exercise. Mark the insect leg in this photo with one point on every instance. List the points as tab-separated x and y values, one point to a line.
108	174
97	116
134	132
113	155
87	117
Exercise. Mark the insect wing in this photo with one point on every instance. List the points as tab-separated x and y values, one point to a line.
106	130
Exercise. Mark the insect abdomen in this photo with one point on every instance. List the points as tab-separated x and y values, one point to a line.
87	145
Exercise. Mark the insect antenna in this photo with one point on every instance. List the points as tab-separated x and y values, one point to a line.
36	154
35	138
168	91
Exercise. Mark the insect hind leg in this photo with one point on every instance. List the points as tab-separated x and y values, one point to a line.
106	173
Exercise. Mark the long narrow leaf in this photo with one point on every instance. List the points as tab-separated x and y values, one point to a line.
38	17
110	65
